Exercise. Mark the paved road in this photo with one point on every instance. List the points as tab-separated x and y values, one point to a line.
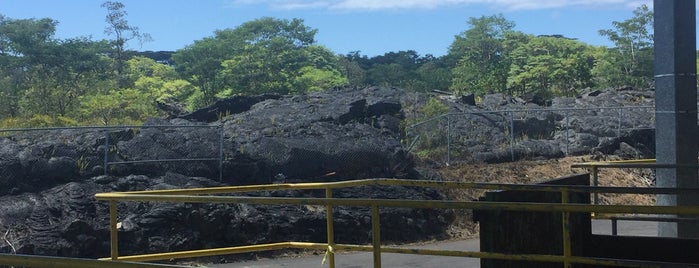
364	259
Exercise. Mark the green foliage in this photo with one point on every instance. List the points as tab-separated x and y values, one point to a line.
45	81
433	107
550	66
43	120
123	32
404	69
630	62
160	82
312	79
118	106
482	65
266	55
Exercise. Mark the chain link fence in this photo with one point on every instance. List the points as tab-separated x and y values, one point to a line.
199	149
463	136
89	151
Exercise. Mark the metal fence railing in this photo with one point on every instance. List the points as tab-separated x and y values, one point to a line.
105	147
212	195
458	136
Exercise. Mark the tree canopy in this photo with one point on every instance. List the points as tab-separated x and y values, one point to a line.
48	81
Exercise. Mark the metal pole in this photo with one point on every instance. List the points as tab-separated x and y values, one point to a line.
618	129
615	226
376	235
595	182
106	151
113	230
331	232
567	135
448	140
220	153
512	135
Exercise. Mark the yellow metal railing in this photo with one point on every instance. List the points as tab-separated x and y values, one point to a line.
206	195
12	260
594	168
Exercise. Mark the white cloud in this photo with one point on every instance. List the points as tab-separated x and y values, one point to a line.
431	4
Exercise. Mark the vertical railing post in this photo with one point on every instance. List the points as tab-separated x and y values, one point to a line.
220	153
376	235
615	226
448	140
113	230
595	183
106	151
567	244
330	228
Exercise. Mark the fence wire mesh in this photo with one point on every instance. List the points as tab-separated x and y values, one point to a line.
89	151
492	134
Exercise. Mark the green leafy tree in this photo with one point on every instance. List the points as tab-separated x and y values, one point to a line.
119	106
405	69
355	74
482	64
630	62
266	55
22	43
433	73
549	66
69	69
44	75
158	81
118	26
200	64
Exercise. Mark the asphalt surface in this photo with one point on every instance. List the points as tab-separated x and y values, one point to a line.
365	259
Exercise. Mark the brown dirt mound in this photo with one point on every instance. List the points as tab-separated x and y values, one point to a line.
535	171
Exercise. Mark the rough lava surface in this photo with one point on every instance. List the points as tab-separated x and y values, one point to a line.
49	178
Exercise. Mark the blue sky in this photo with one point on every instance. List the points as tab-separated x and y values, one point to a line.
372	27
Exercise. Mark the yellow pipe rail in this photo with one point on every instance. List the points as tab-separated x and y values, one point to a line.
188	196
594	167
59	262
483	205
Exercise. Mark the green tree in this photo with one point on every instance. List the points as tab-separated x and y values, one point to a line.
118	25
630	62
22	43
119	106
68	69
44	75
200	64
433	73
482	64
159	82
405	69
266	55
355	74
550	66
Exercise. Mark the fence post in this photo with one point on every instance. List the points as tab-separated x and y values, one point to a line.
106	150
512	135
618	129
113	230
376	235
567	243
448	140
220	153
567	130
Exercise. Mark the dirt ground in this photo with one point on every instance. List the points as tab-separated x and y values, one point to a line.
534	171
